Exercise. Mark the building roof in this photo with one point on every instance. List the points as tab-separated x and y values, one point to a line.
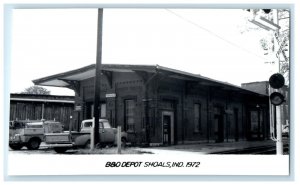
42	98
61	79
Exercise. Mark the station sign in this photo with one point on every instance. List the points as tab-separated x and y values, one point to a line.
78	108
111	95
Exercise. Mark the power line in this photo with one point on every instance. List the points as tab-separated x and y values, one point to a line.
214	34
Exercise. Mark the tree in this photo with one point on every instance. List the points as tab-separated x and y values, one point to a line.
282	38
36	90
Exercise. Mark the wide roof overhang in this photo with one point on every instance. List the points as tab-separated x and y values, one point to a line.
63	79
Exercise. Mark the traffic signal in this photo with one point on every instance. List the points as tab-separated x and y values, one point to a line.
276	81
266	11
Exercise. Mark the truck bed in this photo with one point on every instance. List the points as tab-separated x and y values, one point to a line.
61	138
53	138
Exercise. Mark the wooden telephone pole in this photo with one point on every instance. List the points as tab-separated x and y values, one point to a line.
97	106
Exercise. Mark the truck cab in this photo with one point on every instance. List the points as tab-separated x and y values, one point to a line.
61	142
107	133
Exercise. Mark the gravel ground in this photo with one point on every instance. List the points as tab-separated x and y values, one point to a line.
108	150
197	149
113	150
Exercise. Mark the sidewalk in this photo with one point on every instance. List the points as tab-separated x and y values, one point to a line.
207	148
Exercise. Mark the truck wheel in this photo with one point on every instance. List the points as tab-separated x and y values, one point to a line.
15	146
60	149
33	144
87	145
123	141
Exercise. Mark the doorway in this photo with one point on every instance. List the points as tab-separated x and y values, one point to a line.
219	125
236	124
168	127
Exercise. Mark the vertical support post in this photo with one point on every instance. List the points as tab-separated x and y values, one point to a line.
147	127
70	125
98	78
119	142
226	117
259	122
43	110
271	113
208	112
279	146
276	45
92	135
183	94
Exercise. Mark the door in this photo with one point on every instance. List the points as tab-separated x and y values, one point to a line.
255	124
168	127
107	134
236	124
219	125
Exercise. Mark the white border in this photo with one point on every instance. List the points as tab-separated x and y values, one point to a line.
7	169
96	165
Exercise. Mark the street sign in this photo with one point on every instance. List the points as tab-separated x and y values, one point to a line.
112	95
77	108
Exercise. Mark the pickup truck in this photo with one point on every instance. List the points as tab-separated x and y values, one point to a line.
30	133
62	142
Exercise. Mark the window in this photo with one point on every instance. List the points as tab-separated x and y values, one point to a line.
197	117
103	110
106	124
129	115
88	124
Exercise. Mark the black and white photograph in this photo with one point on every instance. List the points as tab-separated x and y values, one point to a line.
112	90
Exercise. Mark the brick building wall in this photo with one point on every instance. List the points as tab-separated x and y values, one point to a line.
157	105
179	97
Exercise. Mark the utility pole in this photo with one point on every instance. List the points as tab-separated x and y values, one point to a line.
275	97
98	78
277	118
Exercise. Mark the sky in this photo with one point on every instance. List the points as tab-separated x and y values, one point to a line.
211	42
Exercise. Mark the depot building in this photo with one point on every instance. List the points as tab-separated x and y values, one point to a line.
161	106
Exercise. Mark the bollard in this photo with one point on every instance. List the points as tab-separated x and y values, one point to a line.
92	135
119	142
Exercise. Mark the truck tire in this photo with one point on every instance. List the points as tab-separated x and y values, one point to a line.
33	144
60	149
87	145
123	141
15	146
